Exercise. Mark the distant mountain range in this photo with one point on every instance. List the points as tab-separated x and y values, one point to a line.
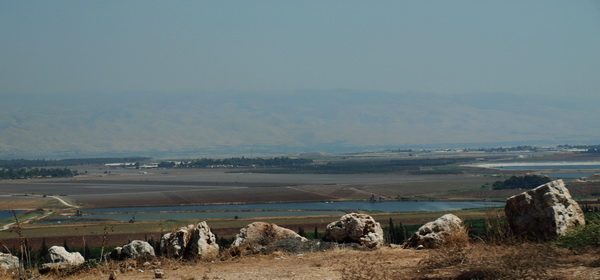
151	124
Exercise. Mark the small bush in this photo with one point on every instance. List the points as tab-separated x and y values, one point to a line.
446	257
582	237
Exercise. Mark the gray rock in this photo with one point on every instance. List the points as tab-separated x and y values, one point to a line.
194	241
58	254
543	213
58	258
437	233
172	244
137	249
8	262
159	273
260	234
356	228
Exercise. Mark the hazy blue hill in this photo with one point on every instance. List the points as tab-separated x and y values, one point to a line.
70	124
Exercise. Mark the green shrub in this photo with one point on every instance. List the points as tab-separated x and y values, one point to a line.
582	237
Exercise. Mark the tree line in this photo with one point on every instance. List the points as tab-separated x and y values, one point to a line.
28	163
521	182
590	149
26	173
245	162
503	149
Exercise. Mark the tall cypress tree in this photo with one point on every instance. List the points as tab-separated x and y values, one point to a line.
43	248
396	234
301	232
66	246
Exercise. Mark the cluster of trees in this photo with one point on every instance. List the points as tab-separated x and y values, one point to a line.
409	150
314	235
504	149
242	161
521	182
593	149
24	173
21	163
395	234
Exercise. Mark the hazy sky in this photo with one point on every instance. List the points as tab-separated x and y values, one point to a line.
522	47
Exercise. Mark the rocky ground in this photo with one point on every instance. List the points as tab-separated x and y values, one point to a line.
524	261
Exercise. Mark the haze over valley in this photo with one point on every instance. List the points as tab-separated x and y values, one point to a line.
72	125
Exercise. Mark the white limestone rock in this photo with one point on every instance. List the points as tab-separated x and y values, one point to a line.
8	262
543	213
58	258
194	241
356	228
260	234
137	249
436	233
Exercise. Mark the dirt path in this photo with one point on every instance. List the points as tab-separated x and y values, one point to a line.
7	226
64	202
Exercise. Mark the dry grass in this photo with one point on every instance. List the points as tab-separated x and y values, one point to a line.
475	261
373	267
483	261
499	256
29	204
118	268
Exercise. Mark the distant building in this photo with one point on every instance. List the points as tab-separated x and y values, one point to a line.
120	164
149	165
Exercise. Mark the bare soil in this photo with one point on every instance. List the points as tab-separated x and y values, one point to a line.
201	186
385	263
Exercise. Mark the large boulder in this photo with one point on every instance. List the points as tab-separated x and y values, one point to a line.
445	229
134	250
543	213
8	262
356	228
58	258
258	235
193	242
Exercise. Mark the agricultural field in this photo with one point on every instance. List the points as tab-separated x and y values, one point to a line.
199	186
99	186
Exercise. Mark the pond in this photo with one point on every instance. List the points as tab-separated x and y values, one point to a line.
568	175
387	206
185	216
202	212
549	165
5	214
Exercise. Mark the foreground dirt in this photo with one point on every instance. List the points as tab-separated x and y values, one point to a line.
385	263
319	265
